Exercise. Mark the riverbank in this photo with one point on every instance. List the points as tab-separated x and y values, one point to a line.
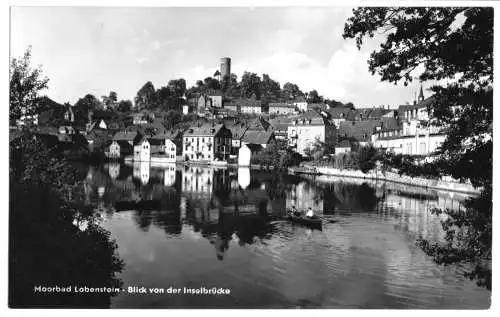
446	184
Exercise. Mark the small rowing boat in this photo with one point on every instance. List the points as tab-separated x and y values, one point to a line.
314	222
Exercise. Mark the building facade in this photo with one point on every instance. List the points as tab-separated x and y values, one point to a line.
207	143
277	108
307	129
142	150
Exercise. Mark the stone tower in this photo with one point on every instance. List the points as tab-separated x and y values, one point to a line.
225	67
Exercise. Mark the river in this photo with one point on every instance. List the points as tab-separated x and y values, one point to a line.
224	228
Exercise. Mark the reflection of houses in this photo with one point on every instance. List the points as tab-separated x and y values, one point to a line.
141	172
307	129
169	175
303	196
142	150
207	143
197	180
114	170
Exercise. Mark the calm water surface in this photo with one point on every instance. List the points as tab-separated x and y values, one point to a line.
225	228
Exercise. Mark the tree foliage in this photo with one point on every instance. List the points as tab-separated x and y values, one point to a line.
26	83
146	97
453	46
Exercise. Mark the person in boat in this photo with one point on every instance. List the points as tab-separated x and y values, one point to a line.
295	212
310	213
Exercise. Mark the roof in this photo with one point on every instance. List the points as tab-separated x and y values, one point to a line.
257	137
423	104
389	124
280	124
322	106
213	92
254	147
237	128
360	131
280	105
258	124
309	117
170	135
140	140
103	114
341	113
343	144
126	136
205	130
246	103
123	144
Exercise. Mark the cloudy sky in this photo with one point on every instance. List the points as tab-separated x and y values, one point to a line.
95	50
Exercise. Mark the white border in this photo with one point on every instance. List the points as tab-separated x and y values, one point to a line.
4	22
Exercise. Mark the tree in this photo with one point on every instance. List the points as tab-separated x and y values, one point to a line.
211	83
291	91
125	105
314	97
270	88
84	106
26	83
455	47
250	84
146	97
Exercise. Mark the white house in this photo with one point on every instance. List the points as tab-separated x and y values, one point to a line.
245	153
307	129
142	150
185	109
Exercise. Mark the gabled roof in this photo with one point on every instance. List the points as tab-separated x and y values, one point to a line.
246	103
254	148
166	135
309	117
126	136
344	144
237	128
213	92
360	131
341	113
258	124
280	124
423	104
205	130
123	144
257	137
280	105
140	140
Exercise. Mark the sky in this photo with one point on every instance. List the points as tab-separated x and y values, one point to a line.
97	49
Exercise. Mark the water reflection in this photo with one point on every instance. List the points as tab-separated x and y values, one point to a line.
227	225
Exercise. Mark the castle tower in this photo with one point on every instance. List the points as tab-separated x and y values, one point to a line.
225	67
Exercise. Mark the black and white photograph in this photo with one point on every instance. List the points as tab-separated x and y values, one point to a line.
251	156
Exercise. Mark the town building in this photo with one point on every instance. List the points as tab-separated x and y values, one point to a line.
414	136
300	103
307	129
142	150
250	106
245	153
207	143
280	127
359	132
278	108
185	109
339	114
119	149
238	129
127	136
344	146
262	138
162	145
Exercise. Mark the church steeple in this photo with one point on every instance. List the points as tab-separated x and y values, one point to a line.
421	95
